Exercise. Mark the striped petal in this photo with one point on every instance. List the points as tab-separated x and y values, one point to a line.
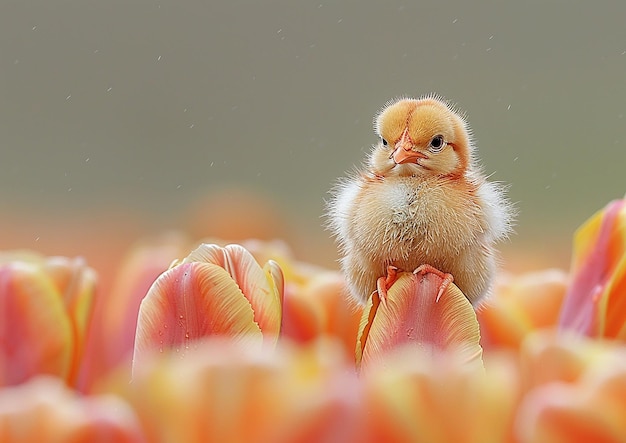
262	287
189	302
413	315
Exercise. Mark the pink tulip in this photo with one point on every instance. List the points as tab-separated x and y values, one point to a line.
214	291
595	304
45	312
413	315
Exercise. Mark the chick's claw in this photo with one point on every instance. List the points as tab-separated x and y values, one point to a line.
384	283
447	278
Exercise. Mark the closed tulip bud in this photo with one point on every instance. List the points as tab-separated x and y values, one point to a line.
214	291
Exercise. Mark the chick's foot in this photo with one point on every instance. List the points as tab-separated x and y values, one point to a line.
384	283
447	278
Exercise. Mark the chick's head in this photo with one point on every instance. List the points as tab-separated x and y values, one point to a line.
420	137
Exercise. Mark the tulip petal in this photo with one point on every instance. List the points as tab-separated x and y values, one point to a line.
45	410
36	334
264	295
520	305
276	282
594	304
226	392
76	283
422	396
591	411
189	302
413	315
319	307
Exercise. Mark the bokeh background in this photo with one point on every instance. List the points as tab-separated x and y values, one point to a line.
123	119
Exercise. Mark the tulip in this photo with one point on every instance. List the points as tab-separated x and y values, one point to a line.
436	396
225	391
213	291
413	314
520	305
45	312
577	393
315	301
45	410
318	307
115	318
595	304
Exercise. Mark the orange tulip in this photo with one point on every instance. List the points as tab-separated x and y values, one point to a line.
414	315
224	391
315	301
595	304
436	396
577	393
45	410
213	291
45	311
115	317
318	307
520	305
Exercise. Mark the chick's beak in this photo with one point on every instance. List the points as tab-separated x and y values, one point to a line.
404	152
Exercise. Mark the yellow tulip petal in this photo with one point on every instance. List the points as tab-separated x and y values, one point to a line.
36	333
413	315
264	296
189	302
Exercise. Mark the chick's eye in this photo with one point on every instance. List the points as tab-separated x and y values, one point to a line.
384	141
437	143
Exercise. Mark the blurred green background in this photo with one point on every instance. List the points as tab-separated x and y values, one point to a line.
145	107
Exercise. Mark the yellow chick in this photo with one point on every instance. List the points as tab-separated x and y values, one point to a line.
421	203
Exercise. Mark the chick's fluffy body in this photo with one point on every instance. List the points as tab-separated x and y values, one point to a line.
435	208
